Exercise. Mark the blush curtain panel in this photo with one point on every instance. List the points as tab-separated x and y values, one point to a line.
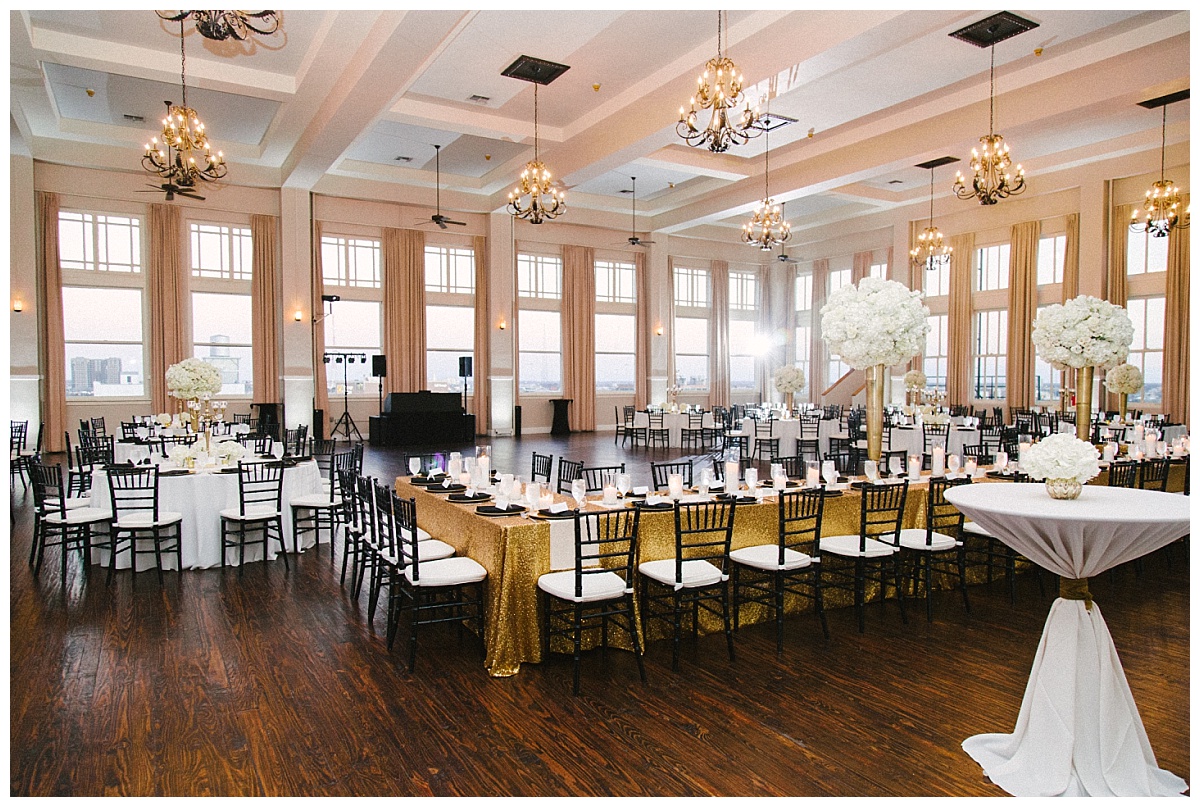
861	267
482	401
1176	353
168	291
1022	309
404	308
718	336
958	374
672	375
816	376
579	336
1117	280
320	384
773	356
1070	284
265	307
53	338
641	320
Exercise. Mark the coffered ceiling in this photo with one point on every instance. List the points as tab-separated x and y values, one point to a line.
336	97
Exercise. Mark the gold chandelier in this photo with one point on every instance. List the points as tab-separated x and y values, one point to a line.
184	155
766	227
931	252
222	25
719	88
1159	214
535	199
993	179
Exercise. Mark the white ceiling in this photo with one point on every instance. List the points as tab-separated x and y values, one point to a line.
338	95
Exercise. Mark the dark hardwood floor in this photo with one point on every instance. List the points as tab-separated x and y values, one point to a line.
275	685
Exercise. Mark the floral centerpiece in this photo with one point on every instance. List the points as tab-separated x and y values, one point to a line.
914	380
1124	380
192	379
936	418
789	380
871	326
1064	461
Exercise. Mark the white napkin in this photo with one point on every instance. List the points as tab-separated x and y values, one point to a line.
446	484
657	500
600	503
641	490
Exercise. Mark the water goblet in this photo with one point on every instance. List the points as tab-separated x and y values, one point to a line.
1000	461
829	472
953	462
578	491
414	465
624	484
896	466
751	477
871	470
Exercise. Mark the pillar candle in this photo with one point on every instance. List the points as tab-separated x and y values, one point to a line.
731	476
939	461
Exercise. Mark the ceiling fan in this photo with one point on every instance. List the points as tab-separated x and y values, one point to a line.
437	218
633	239
172	190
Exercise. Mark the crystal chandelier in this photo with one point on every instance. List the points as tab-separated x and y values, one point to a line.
184	155
993	180
719	88
931	251
766	227
534	199
1159	214
222	25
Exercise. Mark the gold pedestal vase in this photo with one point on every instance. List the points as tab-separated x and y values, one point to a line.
1083	403
875	412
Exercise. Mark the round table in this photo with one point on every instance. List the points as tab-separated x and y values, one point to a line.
1078	732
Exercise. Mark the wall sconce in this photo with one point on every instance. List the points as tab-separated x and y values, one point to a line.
658	331
298	316
503	323
18	306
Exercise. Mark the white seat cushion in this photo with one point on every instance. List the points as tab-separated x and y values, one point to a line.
447	572
316	500
79	515
847	546
696	573
596	587
766	557
977	529
252	514
142	521
915	539
432	549
422	535
72	503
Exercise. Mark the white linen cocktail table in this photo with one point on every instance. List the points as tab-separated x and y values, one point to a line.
1078	732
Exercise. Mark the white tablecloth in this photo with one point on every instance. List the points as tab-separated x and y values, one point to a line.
1078	732
200	498
674	422
788	432
911	439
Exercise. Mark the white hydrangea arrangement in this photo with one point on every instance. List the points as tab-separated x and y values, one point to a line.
914	379
163	419
876	322
936	418
229	452
1084	331
1062	456
1124	379
790	379
193	378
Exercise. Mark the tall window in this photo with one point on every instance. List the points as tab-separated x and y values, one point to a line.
836	368
1047	381
1148	315
1052	254
221	252
878	270
102	298
937	281
992	268
351	266
804	326
1145	254
991	349
692	301
937	351
837	279
616	332
539	323
743	340
449	316
222	258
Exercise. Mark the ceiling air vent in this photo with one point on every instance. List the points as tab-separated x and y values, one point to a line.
403	159
134	118
938	163
479	99
538	71
996	28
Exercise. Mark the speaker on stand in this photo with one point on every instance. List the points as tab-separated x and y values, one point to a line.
379	370
464	372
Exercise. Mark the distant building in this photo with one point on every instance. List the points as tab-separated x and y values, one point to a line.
218	356
86	373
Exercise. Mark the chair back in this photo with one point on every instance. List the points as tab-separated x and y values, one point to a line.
940	515
258	443
366	506
19	430
839	451
629	413
882	513
133	489
800	515
348	487
385	528
703	531
593	478
49	493
296	440
428	461
541	467
810	426
1122	474
341	461
656	419
606	542
404	517
936	436
128	430
695	420
98	427
322	452
719	467
764	428
1154	474
95	452
70	455
794	467
661	472
168	440
260	486
356	457
568	472
981	453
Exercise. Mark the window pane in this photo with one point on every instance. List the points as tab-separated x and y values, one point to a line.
803	292
539	276
235	363
449	327
615	333
352	376
614	372
441	370
691	287
691	372
742	340
539	330
352	262
541	372
98	371
742	291
221	251
99	242
992	269
450	270
838	279
221	318
691	335
991	365
615	282
102	314
353	324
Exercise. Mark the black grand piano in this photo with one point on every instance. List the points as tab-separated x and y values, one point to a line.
422	418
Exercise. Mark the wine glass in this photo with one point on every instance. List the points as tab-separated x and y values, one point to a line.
414	465
871	470
751	477
829	472
624	484
896	466
578	491
1000	462
952	463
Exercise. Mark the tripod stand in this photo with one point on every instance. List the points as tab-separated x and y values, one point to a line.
345	423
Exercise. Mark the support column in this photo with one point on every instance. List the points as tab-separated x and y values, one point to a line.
660	315
1095	197
498	370
295	243
24	398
